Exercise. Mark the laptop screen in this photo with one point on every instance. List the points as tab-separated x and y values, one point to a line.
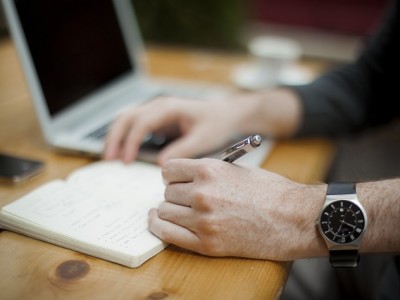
76	46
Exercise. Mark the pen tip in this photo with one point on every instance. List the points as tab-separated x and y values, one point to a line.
256	140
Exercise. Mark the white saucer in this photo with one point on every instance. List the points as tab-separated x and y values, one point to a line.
253	76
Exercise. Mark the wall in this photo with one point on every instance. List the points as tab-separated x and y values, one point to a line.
357	17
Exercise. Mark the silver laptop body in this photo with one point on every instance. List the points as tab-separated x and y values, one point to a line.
84	62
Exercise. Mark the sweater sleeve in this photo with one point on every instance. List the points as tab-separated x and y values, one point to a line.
361	94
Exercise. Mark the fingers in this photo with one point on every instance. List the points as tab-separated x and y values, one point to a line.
177	214
185	219
175	220
190	145
180	170
178	193
130	129
192	118
115	137
172	233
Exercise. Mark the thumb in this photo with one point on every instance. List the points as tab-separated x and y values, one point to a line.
187	146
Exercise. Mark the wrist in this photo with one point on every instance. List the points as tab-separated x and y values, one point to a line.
275	113
308	242
281	112
247	117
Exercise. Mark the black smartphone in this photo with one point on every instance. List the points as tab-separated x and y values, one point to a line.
15	169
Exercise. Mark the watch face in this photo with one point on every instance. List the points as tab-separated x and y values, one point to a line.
342	221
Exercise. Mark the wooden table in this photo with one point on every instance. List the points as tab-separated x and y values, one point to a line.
31	269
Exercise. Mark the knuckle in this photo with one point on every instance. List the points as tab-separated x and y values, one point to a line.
209	225
205	224
162	213
166	172
205	171
202	201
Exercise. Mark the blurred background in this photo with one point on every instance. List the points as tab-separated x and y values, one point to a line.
3	29
334	30
317	25
228	24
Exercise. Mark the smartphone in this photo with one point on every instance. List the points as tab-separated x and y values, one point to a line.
15	169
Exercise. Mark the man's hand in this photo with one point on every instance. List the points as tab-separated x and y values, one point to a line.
222	209
202	127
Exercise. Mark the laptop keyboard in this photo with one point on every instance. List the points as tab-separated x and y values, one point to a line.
178	90
99	133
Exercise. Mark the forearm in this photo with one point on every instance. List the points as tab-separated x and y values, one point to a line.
381	200
275	113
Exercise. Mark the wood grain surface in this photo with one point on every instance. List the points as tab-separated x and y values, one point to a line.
31	269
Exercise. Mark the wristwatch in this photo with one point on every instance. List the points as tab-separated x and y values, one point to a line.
342	223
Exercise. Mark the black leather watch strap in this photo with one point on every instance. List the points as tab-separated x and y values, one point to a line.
341	188
344	258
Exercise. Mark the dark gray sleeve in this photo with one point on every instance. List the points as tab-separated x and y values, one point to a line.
359	95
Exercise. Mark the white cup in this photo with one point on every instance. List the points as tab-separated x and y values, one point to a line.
272	55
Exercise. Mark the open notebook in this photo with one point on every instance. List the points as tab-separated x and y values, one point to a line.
100	210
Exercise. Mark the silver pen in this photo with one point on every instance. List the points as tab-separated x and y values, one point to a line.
241	148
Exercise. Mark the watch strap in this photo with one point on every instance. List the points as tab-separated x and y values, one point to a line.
344	258
341	188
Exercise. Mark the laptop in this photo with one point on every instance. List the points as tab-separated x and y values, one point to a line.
84	63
